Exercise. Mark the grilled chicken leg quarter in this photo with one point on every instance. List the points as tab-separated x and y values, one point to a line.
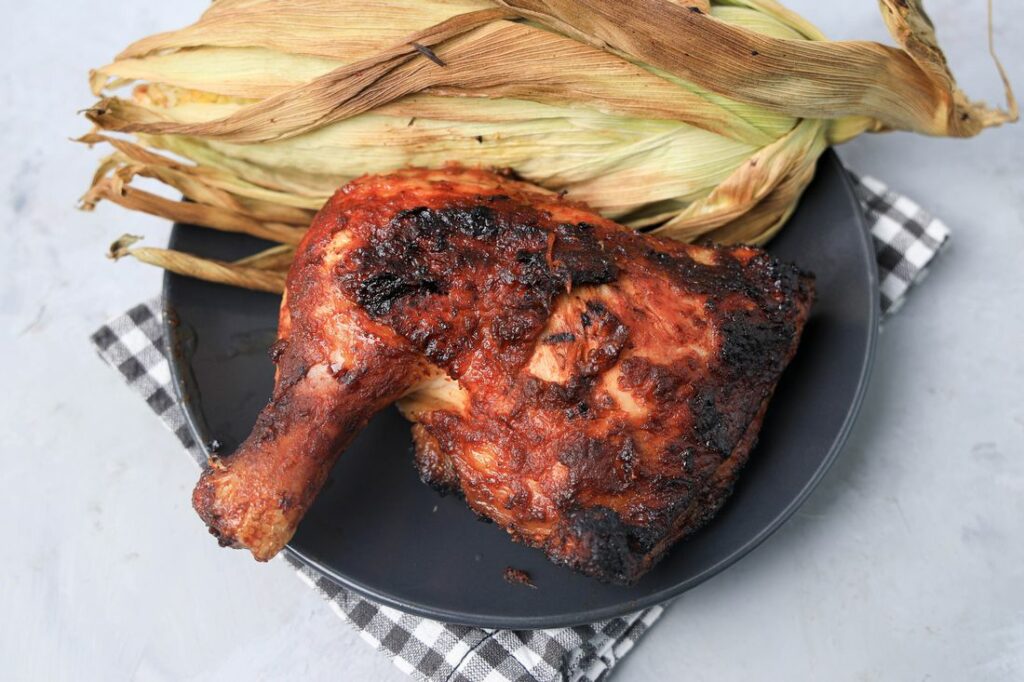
592	390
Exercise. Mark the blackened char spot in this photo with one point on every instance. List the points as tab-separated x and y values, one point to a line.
351	376
423	223
604	273
785	277
752	346
604	536
534	271
560	337
581	256
418	213
480	222
442	487
475	221
421	218
660	257
710	424
379	292
642	539
612	547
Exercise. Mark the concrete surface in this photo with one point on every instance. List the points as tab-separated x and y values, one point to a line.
906	564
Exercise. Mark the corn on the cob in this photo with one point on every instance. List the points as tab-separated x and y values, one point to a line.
690	117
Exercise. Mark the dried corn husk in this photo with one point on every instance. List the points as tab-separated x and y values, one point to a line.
249	273
692	118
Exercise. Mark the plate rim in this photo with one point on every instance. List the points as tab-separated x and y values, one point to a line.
829	156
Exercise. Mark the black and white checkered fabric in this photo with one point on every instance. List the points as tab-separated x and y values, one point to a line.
906	237
906	240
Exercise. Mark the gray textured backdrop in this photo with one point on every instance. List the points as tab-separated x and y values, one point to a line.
906	564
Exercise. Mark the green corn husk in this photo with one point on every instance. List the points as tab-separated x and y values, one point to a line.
694	118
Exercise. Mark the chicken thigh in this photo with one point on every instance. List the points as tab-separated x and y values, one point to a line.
592	390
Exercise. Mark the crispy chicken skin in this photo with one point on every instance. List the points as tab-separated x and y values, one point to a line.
593	391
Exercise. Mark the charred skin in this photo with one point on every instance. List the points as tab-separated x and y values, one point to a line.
593	391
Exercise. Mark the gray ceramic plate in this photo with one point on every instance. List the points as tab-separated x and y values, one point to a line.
378	530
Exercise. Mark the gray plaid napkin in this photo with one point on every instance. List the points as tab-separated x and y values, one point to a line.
906	240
